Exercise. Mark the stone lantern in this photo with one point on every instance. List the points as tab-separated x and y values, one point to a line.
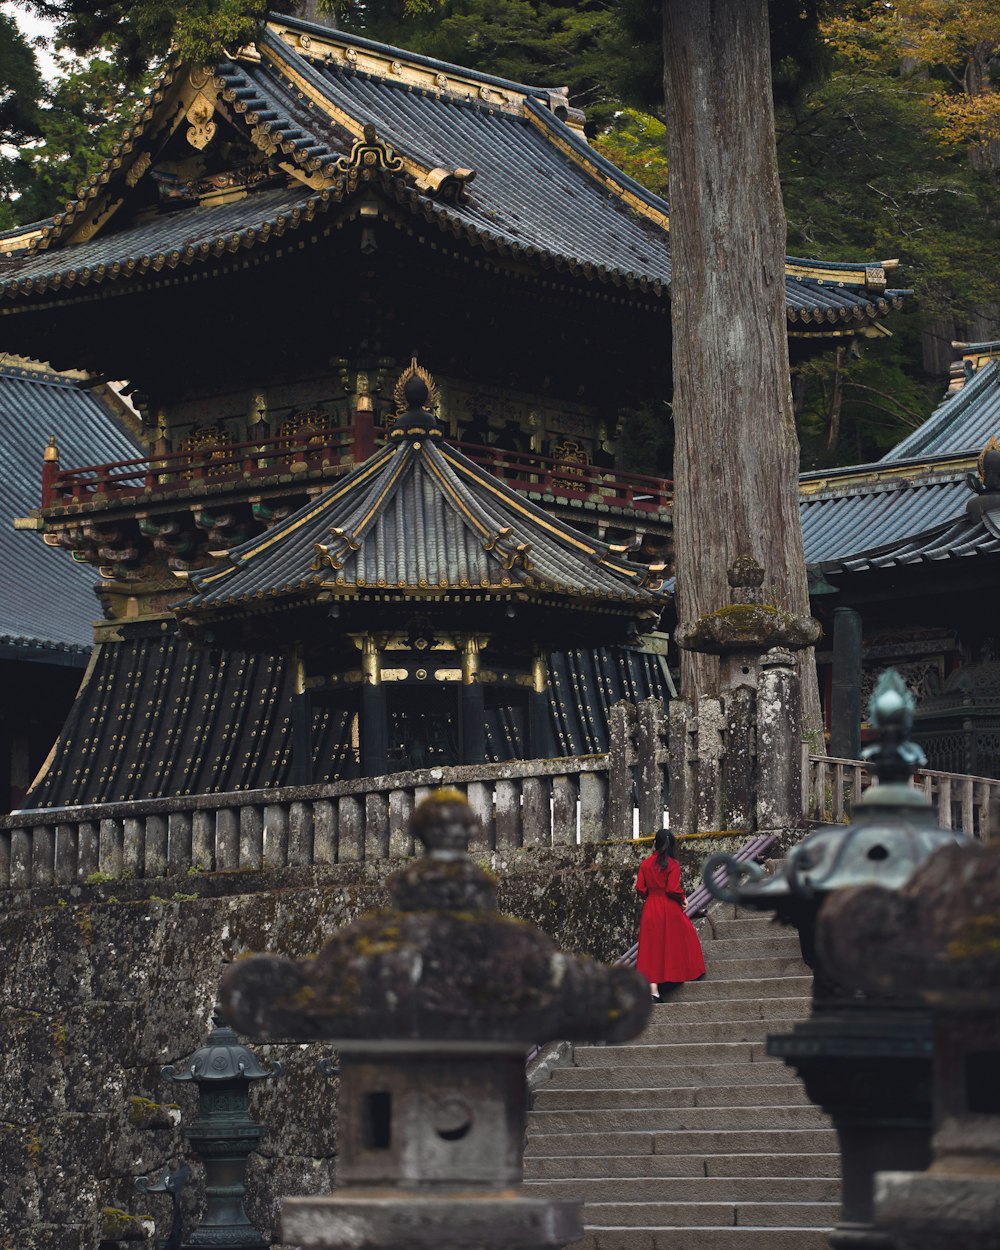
433	1005
865	1059
938	936
222	1135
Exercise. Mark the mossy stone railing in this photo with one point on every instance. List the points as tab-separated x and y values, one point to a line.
544	803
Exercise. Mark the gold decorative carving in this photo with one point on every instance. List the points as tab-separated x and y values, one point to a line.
350	56
206	445
198	76
875	279
992	445
396	67
302	430
305	42
441	80
258	408
369	152
570	452
200	114
139	166
414	370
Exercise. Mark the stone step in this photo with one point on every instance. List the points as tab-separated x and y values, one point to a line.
665	1029
672	1053
756	946
685	1011
713	1214
758	926
638	1119
748	1164
690	1189
679	1141
728	1238
760	985
783	965
596	1072
583	1099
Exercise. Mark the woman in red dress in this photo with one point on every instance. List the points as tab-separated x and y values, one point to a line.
669	950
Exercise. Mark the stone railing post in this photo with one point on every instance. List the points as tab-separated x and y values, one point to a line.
683	754
779	721
621	728
650	732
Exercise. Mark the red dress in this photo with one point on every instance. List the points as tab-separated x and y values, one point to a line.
669	949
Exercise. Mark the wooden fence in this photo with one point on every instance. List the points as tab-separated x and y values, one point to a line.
831	786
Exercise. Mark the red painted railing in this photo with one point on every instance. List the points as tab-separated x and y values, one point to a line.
174	472
336	451
565	479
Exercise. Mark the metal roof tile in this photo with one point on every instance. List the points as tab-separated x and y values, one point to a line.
50	599
963	423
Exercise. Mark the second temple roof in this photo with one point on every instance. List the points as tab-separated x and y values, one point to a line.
418	520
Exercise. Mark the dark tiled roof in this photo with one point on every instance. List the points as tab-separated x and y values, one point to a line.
168	241
963	423
539	193
585	684
867	516
49	600
157	718
878	525
420	517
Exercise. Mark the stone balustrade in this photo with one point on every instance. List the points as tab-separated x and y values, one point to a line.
544	803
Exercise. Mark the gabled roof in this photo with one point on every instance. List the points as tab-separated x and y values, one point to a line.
500	164
868	523
911	506
417	521
49	604
963	424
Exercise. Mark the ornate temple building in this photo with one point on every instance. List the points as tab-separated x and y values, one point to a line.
912	544
271	243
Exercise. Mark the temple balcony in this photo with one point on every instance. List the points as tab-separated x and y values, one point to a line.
197	501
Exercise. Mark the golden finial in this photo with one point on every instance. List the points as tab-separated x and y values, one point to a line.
52	451
413	370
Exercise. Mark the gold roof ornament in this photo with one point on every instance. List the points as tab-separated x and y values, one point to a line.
992	445
413	370
51	451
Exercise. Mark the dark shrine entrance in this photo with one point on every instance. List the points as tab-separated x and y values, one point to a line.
425	727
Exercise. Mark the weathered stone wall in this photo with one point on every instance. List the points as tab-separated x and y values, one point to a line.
102	985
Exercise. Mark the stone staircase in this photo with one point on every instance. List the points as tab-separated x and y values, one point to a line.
690	1137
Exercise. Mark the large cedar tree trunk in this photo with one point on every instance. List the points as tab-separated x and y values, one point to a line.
736	459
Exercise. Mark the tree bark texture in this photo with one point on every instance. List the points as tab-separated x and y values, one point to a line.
736	460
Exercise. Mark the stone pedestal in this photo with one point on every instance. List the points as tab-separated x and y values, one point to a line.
462	1220
869	1068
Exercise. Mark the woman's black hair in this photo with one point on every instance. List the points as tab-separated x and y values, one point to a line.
665	846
